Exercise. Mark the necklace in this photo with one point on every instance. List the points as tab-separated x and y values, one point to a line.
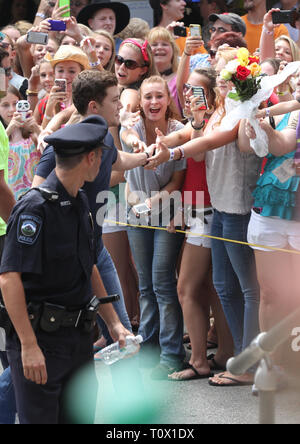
167	72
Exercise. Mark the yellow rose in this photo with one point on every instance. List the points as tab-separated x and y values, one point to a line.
255	69
243	56
225	75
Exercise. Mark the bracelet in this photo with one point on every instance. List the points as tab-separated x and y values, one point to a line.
47	117
198	128
95	64
31	93
172	155
40	14
188	55
266	31
181	149
268	110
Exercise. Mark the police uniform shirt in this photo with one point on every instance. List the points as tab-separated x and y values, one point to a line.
52	245
101	183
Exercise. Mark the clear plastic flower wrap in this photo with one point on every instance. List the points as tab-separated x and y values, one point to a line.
237	110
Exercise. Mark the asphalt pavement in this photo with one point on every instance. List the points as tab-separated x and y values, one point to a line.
183	403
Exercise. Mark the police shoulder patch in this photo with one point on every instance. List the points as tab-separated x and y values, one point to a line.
29	227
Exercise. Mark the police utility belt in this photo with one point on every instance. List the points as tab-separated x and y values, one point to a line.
50	317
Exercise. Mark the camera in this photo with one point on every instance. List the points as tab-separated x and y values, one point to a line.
37	38
23	107
286	17
180	31
57	25
141	209
198	91
62	84
195	30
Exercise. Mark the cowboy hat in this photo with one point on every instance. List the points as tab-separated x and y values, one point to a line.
120	9
69	53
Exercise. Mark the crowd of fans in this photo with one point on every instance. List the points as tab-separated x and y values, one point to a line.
177	287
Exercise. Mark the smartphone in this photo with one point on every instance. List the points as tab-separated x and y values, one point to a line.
141	209
23	107
64	3
180	31
285	17
57	25
195	30
2	83
39	38
198	91
62	84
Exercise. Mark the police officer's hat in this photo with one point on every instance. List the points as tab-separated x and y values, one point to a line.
79	138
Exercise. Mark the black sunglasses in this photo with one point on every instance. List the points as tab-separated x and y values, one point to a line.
212	53
4	45
129	64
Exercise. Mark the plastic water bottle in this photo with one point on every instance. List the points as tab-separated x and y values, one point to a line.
114	353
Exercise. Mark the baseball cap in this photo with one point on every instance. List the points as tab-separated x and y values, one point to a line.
231	19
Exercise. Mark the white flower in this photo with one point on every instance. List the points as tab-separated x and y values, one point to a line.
232	66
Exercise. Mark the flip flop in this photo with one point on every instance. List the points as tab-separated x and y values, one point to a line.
195	376
234	382
215	366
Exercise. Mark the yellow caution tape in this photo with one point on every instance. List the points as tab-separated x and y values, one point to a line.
282	250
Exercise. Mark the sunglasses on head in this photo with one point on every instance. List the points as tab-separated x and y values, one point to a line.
129	64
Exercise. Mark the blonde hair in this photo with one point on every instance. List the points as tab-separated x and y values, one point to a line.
171	112
227	54
160	33
23	26
137	28
152	70
294	47
111	64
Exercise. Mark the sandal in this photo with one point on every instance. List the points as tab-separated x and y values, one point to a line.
196	375
215	366
233	382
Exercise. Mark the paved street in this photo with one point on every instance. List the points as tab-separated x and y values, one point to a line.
193	402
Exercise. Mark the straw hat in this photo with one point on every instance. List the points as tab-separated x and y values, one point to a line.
69	53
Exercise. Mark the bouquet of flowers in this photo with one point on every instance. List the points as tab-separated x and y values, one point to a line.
251	89
244	72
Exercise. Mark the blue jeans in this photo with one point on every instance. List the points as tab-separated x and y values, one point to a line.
234	277
155	255
112	285
8	408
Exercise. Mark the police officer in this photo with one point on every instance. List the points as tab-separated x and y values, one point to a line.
48	278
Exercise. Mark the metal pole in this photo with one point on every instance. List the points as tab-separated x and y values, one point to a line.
266	407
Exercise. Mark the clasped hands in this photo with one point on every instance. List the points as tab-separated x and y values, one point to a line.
158	152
